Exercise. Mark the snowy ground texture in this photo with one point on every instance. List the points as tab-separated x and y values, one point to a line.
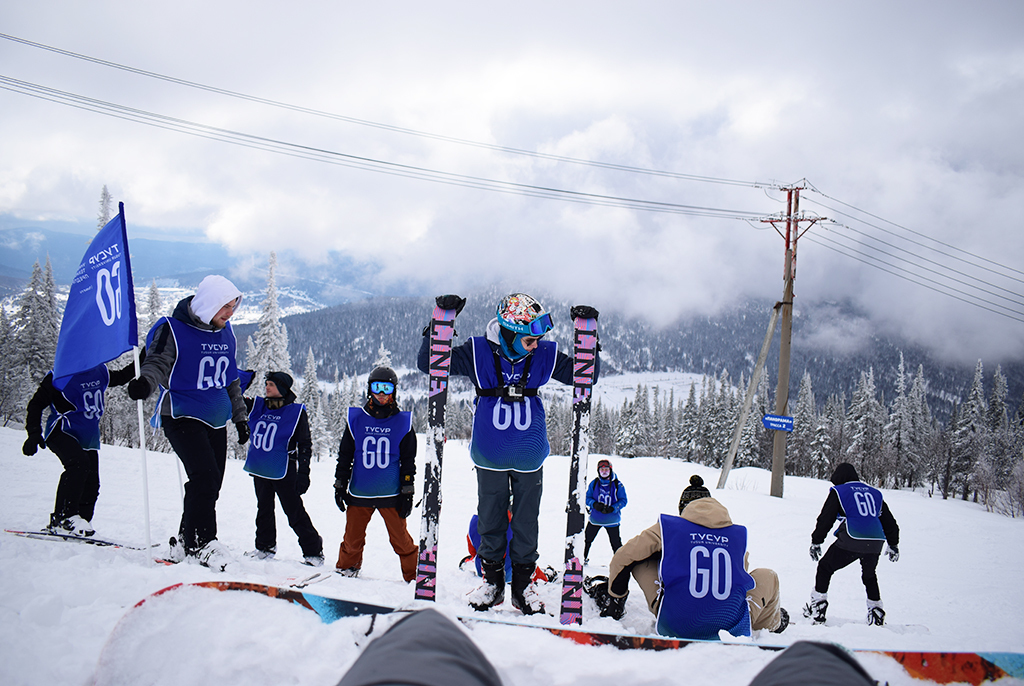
956	586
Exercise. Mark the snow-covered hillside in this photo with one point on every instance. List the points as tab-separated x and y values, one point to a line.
955	587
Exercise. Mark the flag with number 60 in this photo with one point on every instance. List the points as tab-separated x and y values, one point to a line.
99	320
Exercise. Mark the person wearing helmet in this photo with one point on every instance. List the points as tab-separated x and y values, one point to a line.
692	570
278	459
507	365
606	496
381	479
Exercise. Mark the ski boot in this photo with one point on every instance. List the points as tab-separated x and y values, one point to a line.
524	594
348	571
259	554
60	525
783	621
817	608
313	560
492	591
80	526
876	615
176	550
213	555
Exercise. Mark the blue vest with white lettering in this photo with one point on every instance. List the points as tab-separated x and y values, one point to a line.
510	435
862	505
203	369
85	391
271	432
704	583
604	491
375	467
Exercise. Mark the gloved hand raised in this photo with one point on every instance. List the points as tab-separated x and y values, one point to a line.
139	389
584	311
451	302
815	552
34	441
243	432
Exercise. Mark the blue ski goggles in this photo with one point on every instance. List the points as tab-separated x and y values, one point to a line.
538	327
385	387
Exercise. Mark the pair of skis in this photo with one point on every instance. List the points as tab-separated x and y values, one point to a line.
441	332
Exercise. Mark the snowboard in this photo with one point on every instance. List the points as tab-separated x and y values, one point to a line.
442	333
936	667
584	368
44	535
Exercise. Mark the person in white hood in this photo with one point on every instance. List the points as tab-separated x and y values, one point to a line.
190	358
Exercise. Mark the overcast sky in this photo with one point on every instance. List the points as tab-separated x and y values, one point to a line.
905	119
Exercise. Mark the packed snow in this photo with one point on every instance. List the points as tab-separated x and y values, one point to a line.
956	586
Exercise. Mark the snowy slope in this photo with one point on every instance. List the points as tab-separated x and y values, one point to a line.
956	586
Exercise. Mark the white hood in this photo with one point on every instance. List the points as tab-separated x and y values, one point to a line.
214	292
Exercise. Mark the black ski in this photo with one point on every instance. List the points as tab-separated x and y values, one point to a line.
442	333
584	368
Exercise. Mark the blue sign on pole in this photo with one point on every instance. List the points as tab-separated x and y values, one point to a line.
777	422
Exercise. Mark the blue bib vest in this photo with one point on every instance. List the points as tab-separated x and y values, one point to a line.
510	435
604	491
375	467
270	433
204	367
862	505
704	583
85	391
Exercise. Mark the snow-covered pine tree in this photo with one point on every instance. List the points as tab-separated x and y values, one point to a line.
106	211
13	379
311	397
864	422
805	424
268	351
971	439
686	426
37	325
999	426
627	435
154	310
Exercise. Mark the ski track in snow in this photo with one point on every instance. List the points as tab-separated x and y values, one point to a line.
955	588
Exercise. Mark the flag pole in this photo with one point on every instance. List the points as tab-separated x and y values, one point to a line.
142	451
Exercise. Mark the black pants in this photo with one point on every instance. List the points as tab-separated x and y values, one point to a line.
835	558
591	533
291	502
79	485
203	453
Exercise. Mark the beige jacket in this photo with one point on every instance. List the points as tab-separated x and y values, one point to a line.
645	550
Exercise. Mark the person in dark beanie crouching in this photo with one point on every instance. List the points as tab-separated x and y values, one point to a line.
681	565
278	459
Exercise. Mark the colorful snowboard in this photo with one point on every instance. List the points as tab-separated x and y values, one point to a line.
940	668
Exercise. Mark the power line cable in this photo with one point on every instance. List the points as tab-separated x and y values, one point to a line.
365	163
388	127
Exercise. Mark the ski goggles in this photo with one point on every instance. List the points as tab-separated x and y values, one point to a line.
385	387
538	327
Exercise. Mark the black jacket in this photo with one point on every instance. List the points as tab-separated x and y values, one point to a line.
46	395
300	447
347	452
833	509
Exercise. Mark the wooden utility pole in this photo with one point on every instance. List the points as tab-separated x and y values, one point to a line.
791	235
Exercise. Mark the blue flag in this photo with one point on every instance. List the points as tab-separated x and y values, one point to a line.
99	320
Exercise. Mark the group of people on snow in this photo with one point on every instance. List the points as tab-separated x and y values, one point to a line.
691	568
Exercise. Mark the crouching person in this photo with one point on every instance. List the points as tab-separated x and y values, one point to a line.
692	571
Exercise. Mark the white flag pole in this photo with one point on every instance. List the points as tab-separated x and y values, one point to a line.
142	450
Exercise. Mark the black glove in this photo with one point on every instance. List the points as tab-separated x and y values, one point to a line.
893	553
451	302
339	494
139	389
404	505
815	552
243	432
302	484
34	441
584	311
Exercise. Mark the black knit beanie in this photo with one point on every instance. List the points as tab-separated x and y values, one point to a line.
695	491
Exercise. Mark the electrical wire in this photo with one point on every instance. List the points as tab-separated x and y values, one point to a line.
355	161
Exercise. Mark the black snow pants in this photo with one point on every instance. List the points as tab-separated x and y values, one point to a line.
291	502
835	558
203	453
79	485
591	533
